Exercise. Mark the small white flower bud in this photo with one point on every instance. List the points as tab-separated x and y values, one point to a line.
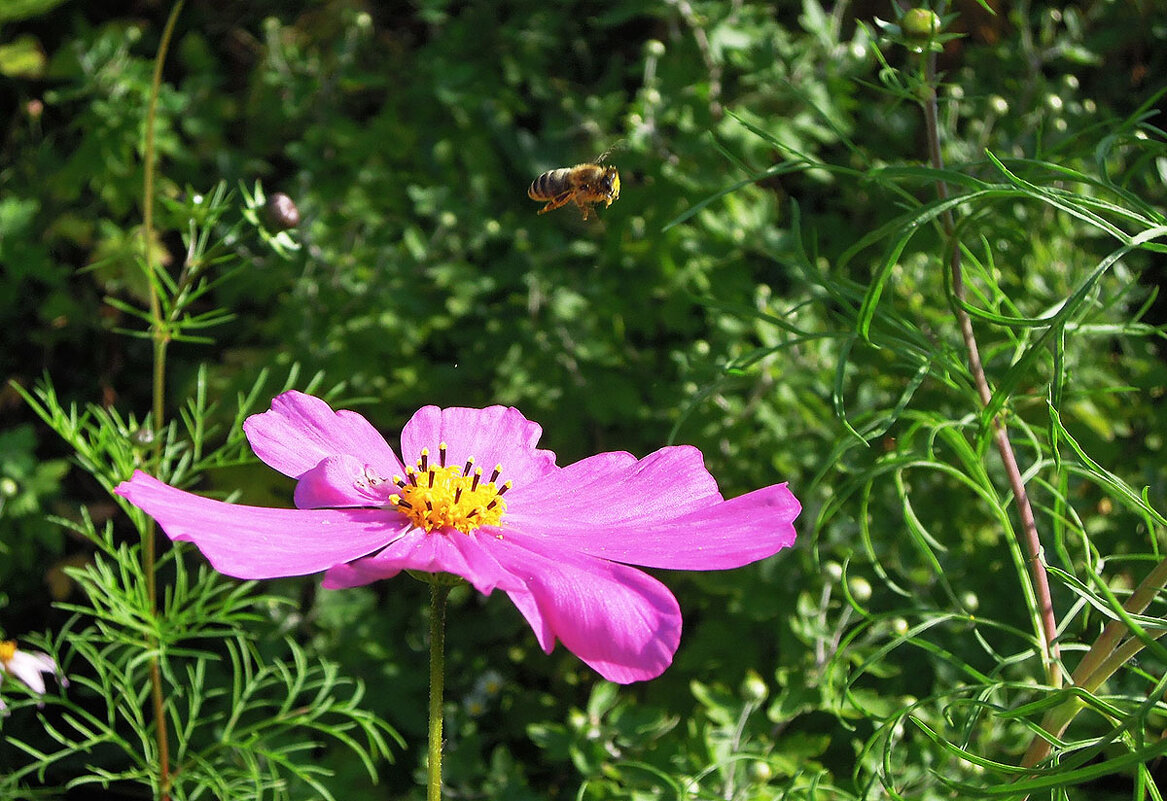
860	588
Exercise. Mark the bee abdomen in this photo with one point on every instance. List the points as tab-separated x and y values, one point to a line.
549	184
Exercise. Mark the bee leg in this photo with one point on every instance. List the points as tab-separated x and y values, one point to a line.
584	207
559	200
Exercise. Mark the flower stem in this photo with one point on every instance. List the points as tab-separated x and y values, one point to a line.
439	591
1031	541
160	339
1108	653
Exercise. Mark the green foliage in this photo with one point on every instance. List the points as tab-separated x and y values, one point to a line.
246	704
774	285
23	9
27	488
23	479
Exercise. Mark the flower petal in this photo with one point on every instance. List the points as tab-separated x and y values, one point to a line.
301	430
28	666
615	489
717	536
256	543
623	623
342	481
494	435
465	555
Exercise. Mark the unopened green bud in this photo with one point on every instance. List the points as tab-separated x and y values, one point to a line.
754	688
860	588
970	601
761	772
920	24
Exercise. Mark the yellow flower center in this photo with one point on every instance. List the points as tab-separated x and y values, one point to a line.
437	496
7	650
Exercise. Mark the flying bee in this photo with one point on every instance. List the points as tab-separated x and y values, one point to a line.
583	184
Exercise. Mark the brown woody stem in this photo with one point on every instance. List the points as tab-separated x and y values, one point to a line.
1030	540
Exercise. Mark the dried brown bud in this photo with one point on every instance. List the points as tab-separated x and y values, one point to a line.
281	213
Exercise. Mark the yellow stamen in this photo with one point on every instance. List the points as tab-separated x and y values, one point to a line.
7	650
450	497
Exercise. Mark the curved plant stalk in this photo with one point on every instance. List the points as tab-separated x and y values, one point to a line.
160	338
1030	540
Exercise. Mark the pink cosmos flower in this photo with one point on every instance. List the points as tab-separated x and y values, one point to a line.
477	499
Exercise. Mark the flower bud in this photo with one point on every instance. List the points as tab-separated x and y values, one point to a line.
920	24
281	212
753	688
860	588
761	772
